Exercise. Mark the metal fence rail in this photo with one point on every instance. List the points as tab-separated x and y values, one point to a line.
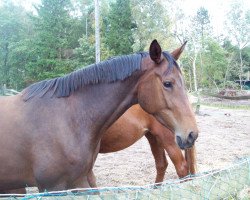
7	92
230	183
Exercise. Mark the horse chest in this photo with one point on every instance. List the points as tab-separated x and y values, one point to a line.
65	166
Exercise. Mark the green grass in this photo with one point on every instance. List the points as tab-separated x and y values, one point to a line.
227	106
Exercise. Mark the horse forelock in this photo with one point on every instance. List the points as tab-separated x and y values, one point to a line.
111	70
171	62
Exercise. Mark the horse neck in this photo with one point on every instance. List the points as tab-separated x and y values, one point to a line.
105	103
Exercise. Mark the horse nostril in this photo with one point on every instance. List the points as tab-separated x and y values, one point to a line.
191	138
179	142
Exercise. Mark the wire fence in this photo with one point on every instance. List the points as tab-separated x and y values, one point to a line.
7	92
229	183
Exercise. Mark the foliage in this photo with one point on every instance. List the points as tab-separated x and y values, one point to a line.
86	51
118	28
202	23
215	64
15	31
59	37
239	27
233	60
53	40
152	21
246	58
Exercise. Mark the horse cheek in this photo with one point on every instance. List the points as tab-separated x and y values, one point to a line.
149	97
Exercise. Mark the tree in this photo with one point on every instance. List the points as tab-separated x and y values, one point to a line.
246	61
15	31
86	50
118	28
152	22
192	50
202	24
57	34
238	26
215	64
233	61
202	30
97	32
195	36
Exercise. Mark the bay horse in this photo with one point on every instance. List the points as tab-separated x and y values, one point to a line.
132	126
50	132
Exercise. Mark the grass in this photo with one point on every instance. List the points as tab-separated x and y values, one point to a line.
227	106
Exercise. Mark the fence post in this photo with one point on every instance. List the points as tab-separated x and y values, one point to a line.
198	105
4	89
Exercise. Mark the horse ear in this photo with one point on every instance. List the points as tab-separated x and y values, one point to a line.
177	52
155	51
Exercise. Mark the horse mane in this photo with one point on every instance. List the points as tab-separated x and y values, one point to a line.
111	70
171	61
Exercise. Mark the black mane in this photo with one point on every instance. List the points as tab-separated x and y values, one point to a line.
111	70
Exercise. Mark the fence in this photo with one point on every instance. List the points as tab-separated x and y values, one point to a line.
230	183
7	92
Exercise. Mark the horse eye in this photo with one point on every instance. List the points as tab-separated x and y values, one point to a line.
167	84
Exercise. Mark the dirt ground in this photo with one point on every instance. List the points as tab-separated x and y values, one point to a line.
224	138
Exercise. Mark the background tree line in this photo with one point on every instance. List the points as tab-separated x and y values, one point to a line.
59	38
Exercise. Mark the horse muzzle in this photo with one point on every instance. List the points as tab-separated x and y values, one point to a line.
189	142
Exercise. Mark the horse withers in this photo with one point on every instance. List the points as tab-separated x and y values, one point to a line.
50	133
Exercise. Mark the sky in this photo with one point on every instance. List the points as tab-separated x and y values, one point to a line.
217	9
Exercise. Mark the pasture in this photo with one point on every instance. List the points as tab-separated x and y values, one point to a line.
51	132
224	138
223	141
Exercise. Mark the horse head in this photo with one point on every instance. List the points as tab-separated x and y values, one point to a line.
162	93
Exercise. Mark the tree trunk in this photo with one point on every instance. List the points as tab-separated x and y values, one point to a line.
227	70
97	32
86	27
194	65
201	67
194	72
6	69
190	78
241	69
